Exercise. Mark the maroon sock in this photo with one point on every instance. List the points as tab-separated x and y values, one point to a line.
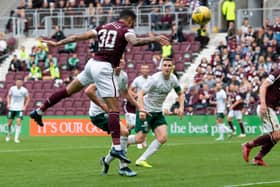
264	150
54	98
231	126
114	127
242	128
261	140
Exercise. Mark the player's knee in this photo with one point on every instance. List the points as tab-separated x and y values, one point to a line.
139	139
18	121
162	139
276	135
124	132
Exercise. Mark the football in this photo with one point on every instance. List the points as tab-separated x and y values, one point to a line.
201	15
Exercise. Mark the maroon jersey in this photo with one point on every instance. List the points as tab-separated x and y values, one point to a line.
273	91
111	42
233	97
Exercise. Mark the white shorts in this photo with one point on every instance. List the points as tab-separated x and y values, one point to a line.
130	119
100	73
270	120
235	113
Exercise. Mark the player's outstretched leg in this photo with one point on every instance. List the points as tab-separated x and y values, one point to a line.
52	100
74	87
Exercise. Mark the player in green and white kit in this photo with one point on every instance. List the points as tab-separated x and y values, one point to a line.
98	114
17	101
150	116
135	87
221	98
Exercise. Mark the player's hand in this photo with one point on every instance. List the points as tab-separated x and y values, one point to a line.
8	107
50	43
24	108
180	113
162	40
142	116
263	109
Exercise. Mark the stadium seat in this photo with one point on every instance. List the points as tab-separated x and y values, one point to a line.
69	112
144	48
68	103
180	67
86	104
138	56
59	105
10	76
148	57
48	85
3	93
190	37
59	112
47	93
80	112
128	57
132	75
176	47
37	94
37	85
77	103
28	85
50	112
195	47
62	60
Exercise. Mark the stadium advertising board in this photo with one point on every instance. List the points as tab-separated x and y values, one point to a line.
206	125
81	126
66	127
24	126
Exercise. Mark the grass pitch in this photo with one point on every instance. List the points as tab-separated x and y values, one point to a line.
183	161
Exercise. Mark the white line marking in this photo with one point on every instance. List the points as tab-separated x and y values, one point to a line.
252	184
102	147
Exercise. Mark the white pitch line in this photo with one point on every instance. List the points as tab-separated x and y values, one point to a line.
102	147
253	184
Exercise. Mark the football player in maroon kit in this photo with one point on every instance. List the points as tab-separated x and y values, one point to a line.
112	40
269	101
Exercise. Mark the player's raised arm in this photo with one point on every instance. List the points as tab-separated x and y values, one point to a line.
136	41
73	38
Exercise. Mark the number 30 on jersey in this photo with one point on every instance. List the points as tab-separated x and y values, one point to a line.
107	38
